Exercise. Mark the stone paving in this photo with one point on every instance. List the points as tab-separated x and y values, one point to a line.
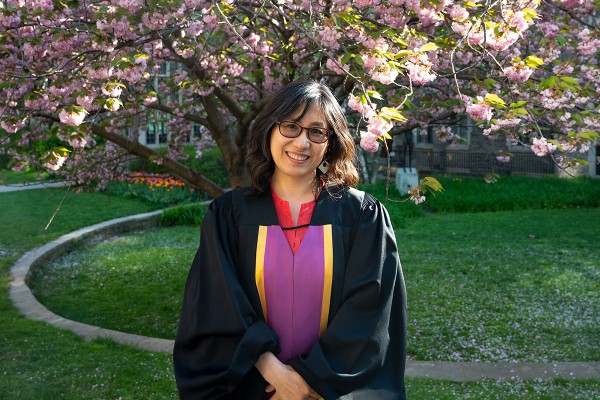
28	305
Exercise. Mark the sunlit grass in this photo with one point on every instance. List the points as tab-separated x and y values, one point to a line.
38	361
508	286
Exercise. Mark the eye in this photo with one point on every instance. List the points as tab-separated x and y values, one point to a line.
290	126
316	132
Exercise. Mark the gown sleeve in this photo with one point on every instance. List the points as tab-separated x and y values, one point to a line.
362	352
220	336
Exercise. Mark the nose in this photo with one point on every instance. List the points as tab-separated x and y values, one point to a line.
302	139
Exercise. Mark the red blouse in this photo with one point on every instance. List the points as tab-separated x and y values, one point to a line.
284	214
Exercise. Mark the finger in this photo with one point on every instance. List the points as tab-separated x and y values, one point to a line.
269	388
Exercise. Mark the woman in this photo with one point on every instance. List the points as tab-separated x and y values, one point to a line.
296	291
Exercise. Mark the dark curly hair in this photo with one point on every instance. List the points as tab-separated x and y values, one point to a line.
340	154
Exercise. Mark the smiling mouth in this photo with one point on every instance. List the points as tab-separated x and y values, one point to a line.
297	157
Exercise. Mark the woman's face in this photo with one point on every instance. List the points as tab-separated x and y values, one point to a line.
298	158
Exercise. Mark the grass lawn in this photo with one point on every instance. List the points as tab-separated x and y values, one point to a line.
506	286
9	177
38	361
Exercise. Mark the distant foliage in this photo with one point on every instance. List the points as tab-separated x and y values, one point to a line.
399	212
463	195
191	214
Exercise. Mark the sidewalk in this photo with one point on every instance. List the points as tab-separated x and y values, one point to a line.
28	305
27	186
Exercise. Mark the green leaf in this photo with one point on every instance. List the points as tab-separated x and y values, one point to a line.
518	104
568	79
493	100
431	185
520	111
374	94
61	151
403	53
428	47
489	83
561	40
392	113
547	83
346	57
530	14
589	135
581	161
534	62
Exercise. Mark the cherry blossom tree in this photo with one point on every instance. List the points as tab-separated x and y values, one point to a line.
81	79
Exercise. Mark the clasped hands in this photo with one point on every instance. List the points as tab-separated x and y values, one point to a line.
284	380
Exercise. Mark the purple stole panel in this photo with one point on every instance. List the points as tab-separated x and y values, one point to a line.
295	289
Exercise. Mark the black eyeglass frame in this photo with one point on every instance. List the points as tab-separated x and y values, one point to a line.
327	132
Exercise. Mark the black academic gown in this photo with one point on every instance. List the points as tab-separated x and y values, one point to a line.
361	354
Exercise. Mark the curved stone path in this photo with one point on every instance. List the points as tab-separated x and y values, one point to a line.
28	305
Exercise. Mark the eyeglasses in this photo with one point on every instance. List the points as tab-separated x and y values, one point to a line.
291	129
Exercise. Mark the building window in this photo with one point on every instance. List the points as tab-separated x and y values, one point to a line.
157	129
458	133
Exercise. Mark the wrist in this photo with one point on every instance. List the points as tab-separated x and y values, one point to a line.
267	364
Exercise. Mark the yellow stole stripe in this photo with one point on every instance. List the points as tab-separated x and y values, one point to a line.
260	267
328	262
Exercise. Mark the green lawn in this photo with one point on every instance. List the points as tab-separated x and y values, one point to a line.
38	361
506	286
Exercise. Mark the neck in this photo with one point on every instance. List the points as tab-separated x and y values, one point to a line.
294	189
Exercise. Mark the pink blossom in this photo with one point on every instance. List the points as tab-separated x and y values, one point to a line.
385	74
330	37
563	69
502	42
12	128
334	67
195	28
573	3
378	126
19	167
85	101
112	90
71	118
458	13
518	72
542	147
480	111
419	69
518	21
355	103
549	29
419	199
148	100
503	158
78	141
368	141
552	99
508	122
587	43
371	61
55	162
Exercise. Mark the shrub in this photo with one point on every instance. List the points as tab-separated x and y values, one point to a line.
514	193
399	212
212	165
190	214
